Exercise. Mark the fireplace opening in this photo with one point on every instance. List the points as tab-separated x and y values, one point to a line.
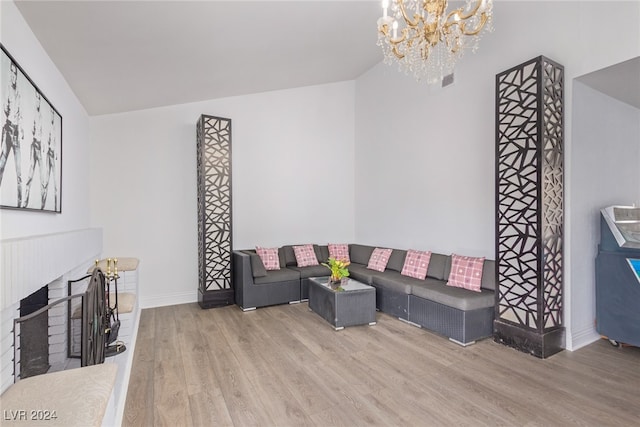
41	334
34	334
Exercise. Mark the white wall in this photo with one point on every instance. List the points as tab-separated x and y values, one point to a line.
37	248
605	150
425	159
292	160
21	43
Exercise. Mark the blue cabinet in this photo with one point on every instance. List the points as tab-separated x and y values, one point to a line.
617	287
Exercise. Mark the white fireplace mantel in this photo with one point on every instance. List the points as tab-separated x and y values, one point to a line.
31	262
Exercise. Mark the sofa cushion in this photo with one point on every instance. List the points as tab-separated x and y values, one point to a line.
339	251
257	267
466	272
396	260
312	271
282	275
362	274
394	281
439	266
360	253
462	299
322	252
489	275
379	259
305	255
270	257
416	264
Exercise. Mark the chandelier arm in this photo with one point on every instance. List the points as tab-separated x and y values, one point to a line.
396	52
462	17
398	41
476	31
408	20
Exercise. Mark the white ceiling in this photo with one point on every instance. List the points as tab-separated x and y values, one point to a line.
124	56
128	55
620	81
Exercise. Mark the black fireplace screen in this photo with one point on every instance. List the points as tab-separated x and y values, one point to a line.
31	331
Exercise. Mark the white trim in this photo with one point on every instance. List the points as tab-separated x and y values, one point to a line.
169	299
582	338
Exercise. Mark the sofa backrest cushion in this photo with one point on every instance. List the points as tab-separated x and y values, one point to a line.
396	260
360	254
489	275
322	252
439	266
257	267
289	256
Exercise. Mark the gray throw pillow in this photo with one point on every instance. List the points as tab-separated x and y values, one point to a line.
396	260
489	275
257	267
322	253
438	264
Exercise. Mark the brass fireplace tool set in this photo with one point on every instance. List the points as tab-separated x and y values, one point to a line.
110	274
113	347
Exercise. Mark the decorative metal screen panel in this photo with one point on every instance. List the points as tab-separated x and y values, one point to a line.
214	203
529	194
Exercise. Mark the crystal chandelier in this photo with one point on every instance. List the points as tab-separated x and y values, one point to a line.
425	40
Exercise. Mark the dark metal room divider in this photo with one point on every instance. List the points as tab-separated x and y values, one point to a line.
529	207
215	287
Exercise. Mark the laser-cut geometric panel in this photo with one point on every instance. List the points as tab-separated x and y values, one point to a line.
214	203
529	194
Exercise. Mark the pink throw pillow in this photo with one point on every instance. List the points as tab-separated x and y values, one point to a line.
305	255
269	257
339	251
416	264
379	259
466	272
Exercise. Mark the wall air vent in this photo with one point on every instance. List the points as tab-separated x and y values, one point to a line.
447	80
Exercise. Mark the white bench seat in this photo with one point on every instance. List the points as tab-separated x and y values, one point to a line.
75	397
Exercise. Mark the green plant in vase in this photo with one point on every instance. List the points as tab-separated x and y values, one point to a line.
338	269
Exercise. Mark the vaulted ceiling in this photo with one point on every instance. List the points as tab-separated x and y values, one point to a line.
129	55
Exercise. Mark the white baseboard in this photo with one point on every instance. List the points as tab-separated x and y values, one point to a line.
169	299
581	338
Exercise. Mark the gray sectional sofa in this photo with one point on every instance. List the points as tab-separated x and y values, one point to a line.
462	315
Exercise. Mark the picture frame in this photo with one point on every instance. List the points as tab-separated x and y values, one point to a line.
30	145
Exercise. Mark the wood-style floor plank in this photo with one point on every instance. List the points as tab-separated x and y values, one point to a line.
286	366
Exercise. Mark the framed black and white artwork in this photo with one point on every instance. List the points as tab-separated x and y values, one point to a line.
31	150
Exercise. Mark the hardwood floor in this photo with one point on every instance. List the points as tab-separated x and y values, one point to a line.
285	366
